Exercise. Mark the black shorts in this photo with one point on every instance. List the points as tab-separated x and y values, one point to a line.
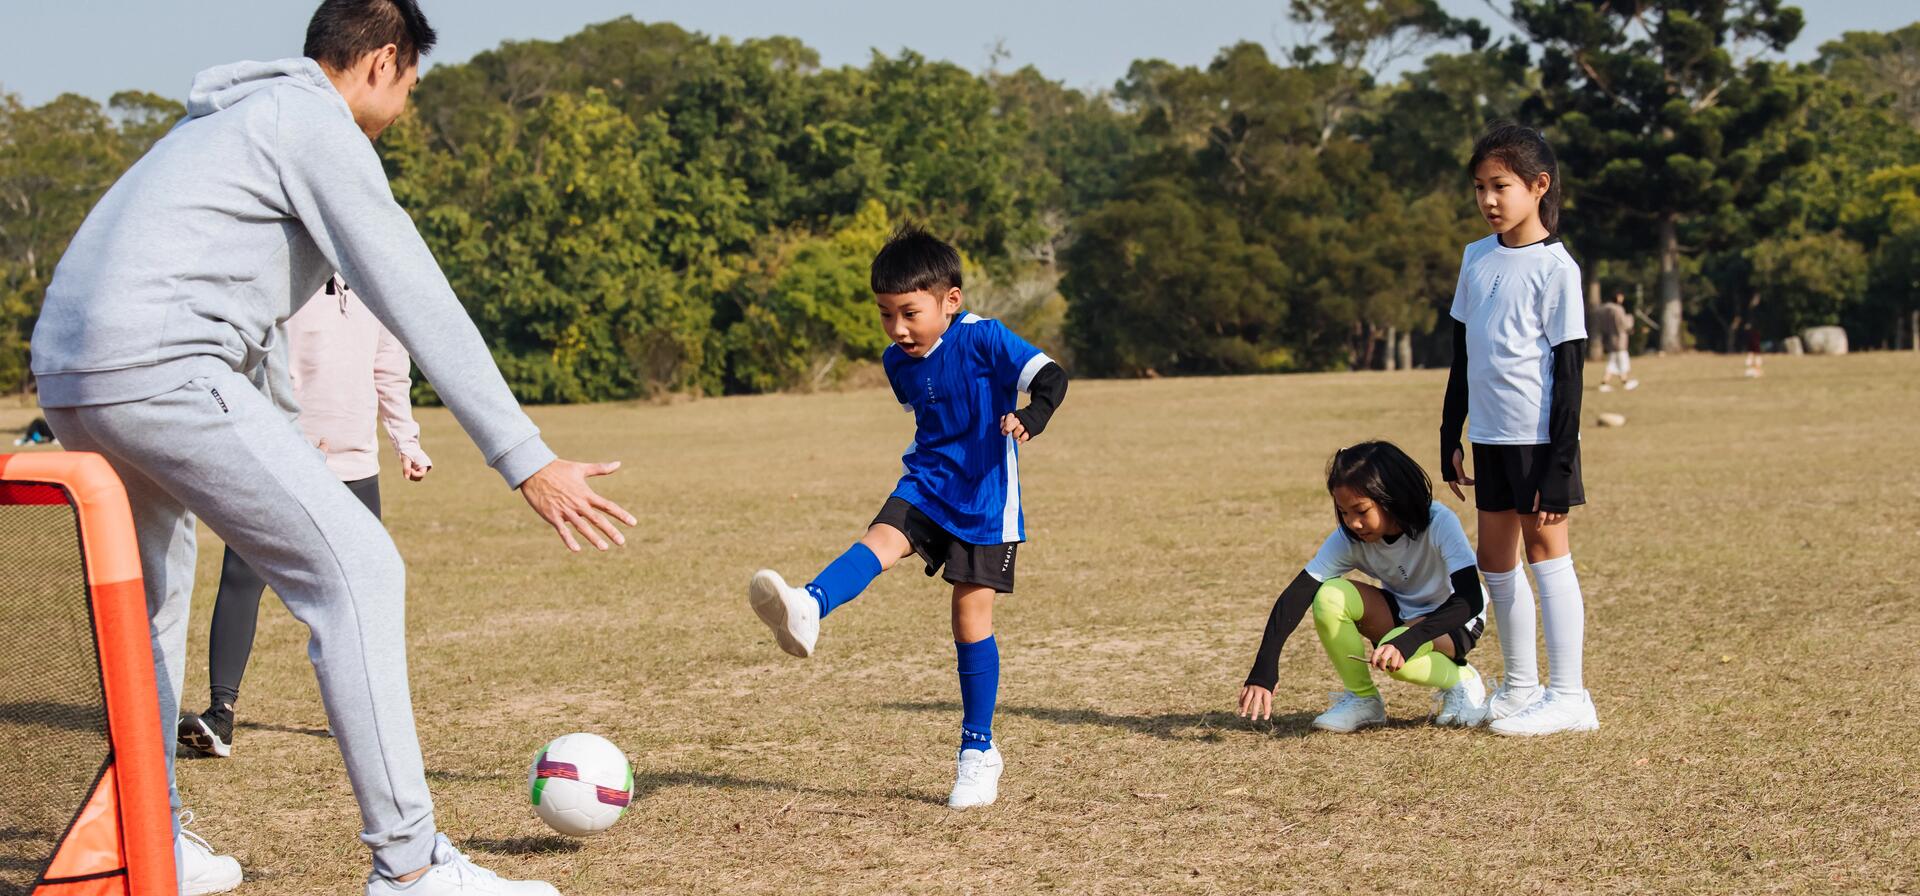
990	565
1507	477
1464	637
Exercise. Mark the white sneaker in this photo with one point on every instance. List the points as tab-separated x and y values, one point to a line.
1554	713
1351	712
1606	387
201	872
791	612
1632	385
1464	704
1511	701
454	874
977	783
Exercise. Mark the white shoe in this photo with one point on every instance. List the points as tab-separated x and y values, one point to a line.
1511	701
201	872
1632	385
454	874
1606	387
791	612
1554	713
977	782
1351	712
1464	704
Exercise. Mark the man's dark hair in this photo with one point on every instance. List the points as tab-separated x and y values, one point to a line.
1388	477
342	31
914	260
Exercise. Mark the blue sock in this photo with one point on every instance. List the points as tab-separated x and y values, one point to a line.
844	578
979	686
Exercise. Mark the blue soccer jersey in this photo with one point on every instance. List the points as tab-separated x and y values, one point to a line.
961	471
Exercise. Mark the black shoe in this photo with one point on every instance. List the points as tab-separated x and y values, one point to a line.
207	734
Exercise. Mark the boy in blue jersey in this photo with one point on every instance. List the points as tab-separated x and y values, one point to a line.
958	503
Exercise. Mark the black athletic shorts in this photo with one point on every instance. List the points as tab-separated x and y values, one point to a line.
990	565
1464	637
1507	477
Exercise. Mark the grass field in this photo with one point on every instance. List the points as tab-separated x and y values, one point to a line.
1750	572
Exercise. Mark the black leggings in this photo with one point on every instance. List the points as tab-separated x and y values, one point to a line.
236	611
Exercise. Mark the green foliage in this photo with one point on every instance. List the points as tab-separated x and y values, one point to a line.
56	161
638	209
1809	278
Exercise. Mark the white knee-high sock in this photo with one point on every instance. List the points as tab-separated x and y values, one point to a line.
1512	602
1564	615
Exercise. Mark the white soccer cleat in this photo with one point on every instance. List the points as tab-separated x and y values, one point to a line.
201	872
1464	704
791	612
1351	712
1511	701
454	874
1555	713
1632	385
977	782
1606	387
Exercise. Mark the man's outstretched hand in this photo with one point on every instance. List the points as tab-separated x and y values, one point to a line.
559	493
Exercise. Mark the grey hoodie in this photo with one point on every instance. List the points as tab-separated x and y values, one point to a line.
220	232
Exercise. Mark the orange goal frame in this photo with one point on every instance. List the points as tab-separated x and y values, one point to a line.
121	840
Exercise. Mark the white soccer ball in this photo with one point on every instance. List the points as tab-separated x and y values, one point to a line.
580	784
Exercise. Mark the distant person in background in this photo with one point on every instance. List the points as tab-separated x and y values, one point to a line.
38	433
1616	329
348	374
1755	359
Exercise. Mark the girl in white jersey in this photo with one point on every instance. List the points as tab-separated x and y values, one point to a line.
1423	617
1519	346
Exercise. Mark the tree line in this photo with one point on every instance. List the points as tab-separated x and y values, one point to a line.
638	209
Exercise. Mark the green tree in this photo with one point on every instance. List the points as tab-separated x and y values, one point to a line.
1810	278
1878	64
808	307
1661	129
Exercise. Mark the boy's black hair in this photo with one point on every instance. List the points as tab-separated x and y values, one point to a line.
1388	477
1525	153
342	31
913	260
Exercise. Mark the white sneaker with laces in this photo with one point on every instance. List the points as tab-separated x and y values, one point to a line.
1351	712
791	612
1464	704
977	782
1512	701
1632	385
201	872
454	874
1558	711
1606	387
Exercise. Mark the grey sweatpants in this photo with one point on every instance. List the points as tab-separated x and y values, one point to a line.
218	449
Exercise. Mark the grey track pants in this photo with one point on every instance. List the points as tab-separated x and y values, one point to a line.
216	448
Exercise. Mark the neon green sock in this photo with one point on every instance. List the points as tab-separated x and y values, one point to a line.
1426	667
1336	609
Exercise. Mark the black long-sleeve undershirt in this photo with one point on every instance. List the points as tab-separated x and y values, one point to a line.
1563	425
1044	395
1453	414
1288	608
1457	610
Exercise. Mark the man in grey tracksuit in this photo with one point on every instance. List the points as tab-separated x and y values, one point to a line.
166	303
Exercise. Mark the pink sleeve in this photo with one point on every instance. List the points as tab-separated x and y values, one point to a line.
391	382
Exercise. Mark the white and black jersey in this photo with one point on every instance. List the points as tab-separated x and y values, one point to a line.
1515	305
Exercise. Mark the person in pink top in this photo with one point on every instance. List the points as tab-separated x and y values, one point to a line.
349	377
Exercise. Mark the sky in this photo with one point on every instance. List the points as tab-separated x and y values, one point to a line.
98	47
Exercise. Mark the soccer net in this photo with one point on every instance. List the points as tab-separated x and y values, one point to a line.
85	812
